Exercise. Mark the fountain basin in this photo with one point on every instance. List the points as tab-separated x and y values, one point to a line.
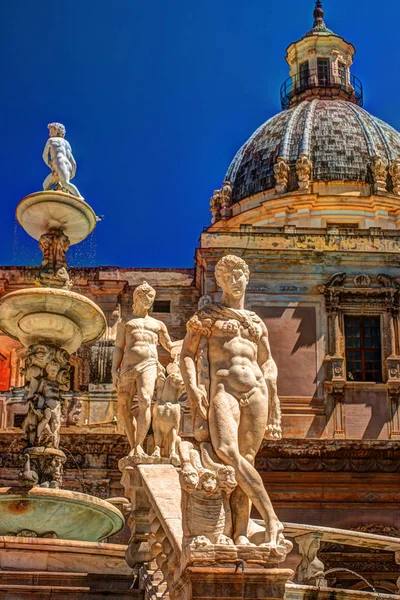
40	212
61	514
53	316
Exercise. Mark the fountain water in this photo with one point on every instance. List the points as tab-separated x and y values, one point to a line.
52	322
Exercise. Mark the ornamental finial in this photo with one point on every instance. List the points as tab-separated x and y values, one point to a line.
319	23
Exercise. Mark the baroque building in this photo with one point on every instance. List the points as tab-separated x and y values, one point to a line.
312	203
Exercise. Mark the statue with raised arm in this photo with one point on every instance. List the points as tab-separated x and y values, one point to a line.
230	379
135	366
57	155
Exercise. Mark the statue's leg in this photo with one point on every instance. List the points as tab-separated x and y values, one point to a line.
126	394
64	175
157	438
226	418
145	386
48	182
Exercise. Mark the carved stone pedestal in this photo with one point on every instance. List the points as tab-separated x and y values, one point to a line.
231	581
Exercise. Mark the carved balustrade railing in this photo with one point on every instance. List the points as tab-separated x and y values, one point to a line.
156	541
311	570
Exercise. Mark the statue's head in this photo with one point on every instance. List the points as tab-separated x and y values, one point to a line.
144	296
226	479
189	478
232	275
52	369
56	130
208	481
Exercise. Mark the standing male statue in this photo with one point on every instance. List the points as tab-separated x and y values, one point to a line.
57	155
230	378
135	366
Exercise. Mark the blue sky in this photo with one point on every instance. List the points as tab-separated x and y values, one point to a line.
157	96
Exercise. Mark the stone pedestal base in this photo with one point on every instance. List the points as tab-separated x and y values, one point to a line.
233	582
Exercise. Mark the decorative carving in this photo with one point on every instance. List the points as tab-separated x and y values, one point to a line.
387	281
303	170
394	171
57	155
96	487
379	173
206	512
221	202
136	368
362	280
251	406
47	374
32	534
215	206
281	174
72	412
311	569
167	412
336	280
54	245
226	200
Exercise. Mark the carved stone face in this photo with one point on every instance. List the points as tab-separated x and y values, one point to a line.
209	483
189	479
40	355
233	282
52	369
145	299
226	479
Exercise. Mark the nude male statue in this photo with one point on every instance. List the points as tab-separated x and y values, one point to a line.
135	366
57	155
228	371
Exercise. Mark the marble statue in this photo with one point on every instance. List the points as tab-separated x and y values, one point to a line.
47	376
230	379
167	412
135	366
281	174
57	155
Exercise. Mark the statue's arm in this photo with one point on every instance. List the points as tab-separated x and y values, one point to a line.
118	353
188	370
71	159
45	154
265	360
165	340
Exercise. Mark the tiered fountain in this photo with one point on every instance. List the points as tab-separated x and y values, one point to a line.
52	322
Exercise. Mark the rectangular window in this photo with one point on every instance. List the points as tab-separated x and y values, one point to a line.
323	71
162	306
343	74
304	75
363	348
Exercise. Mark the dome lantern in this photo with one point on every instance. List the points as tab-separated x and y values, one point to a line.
320	65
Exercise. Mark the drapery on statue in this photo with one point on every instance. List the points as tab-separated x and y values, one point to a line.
135	366
57	155
230	378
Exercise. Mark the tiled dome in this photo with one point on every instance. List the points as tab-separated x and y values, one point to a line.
339	137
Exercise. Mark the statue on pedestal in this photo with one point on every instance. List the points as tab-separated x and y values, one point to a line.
230	379
57	155
136	368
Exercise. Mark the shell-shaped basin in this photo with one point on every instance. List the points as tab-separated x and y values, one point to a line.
40	212
53	316
63	514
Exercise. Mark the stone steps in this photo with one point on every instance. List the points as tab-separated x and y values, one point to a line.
15	585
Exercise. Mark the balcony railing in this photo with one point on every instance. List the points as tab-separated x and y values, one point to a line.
344	85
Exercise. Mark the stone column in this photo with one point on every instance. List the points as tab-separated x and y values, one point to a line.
231	582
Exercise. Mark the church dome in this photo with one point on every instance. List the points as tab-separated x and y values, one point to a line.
339	137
